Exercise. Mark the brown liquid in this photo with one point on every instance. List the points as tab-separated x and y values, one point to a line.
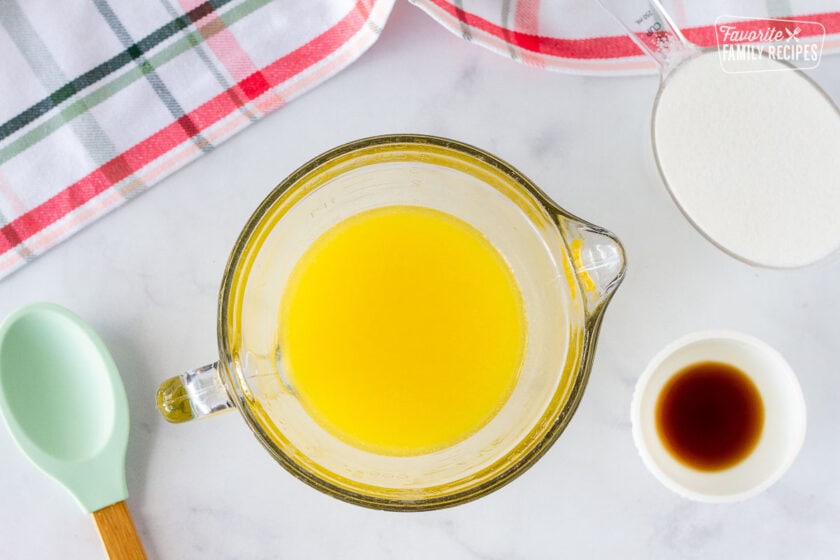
710	416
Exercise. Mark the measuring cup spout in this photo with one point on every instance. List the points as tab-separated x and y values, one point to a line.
193	394
597	259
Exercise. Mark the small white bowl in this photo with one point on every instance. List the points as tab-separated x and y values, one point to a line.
784	417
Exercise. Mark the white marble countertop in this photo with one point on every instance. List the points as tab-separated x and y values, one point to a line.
146	276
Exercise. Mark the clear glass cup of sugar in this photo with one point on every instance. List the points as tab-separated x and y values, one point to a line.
747	150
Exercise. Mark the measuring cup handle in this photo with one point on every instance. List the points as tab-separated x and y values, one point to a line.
651	27
193	394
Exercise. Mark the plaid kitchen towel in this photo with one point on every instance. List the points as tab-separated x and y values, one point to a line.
577	36
100	99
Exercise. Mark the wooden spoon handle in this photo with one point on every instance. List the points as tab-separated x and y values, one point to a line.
118	533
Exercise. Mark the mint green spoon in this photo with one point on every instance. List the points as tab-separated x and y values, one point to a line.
65	406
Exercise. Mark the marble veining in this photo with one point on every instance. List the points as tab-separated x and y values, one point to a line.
146	276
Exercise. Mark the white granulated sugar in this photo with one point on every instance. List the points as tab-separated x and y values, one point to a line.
753	158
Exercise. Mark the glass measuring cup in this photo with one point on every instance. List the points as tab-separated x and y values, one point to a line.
567	270
744	145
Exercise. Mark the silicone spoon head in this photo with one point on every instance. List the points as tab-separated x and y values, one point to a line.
64	402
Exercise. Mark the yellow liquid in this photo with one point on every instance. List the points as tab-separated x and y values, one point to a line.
402	330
